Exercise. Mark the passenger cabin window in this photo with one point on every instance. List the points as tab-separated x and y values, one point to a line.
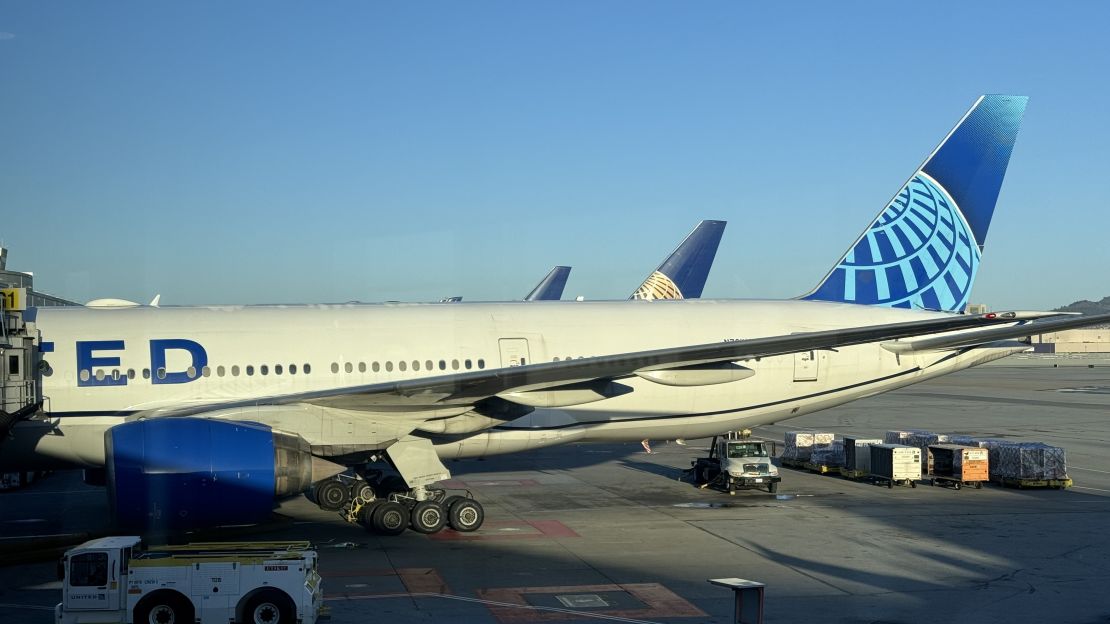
348	367
250	370
220	370
416	365
191	372
265	370
362	367
401	365
376	367
335	367
481	363
88	570
277	369
235	370
307	369
389	367
161	373
468	364
292	369
428	365
146	373
442	365
205	371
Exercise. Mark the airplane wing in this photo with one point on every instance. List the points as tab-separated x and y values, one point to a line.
993	334
461	389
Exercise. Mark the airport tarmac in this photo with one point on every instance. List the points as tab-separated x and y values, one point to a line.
608	533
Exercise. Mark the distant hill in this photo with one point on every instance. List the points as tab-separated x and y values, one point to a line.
1087	307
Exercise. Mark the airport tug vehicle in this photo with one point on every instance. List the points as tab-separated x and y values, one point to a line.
112	579
737	462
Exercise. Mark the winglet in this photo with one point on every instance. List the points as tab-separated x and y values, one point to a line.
682	275
550	287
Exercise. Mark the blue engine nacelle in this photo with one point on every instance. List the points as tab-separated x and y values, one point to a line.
184	473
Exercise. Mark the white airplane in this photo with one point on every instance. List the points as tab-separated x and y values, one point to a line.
203	415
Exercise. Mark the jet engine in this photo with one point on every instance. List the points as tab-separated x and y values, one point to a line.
184	473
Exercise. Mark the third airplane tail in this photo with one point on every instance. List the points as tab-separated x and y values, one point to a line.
924	248
682	275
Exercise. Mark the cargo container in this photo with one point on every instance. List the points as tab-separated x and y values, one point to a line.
857	457
896	464
958	465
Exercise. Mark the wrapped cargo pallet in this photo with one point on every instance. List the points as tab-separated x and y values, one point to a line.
831	455
1031	461
801	444
895	437
963	440
857	457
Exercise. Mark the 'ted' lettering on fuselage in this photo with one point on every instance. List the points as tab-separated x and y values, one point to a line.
93	354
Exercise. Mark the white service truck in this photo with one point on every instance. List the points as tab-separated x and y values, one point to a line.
737	463
112	579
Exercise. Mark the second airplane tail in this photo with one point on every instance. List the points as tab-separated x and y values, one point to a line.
682	275
924	248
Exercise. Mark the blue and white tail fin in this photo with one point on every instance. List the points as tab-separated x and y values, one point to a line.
682	275
923	250
551	287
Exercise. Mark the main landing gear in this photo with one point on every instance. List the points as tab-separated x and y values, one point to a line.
387	504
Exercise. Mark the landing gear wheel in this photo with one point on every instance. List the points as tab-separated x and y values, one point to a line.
428	517
331	495
913	484
269	607
366	514
773	487
362	492
956	484
390	518
451	500
466	515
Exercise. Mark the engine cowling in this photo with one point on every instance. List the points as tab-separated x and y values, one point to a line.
184	473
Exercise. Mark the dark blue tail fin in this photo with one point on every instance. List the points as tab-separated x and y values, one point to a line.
923	250
551	287
682	275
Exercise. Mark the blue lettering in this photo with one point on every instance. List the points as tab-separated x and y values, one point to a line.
86	362
158	350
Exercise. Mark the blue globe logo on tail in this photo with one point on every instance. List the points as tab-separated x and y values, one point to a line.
919	253
924	248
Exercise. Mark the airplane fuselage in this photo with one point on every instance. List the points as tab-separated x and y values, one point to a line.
114	363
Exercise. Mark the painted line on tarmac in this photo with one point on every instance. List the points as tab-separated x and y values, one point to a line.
1089	469
579	614
1080	487
6	605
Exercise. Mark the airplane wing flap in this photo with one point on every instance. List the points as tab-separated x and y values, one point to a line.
985	336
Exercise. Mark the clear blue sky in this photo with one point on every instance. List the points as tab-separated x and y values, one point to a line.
281	152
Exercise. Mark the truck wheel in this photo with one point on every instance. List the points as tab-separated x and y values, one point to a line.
270	607
466	515
772	488
390	518
428	517
167	607
331	495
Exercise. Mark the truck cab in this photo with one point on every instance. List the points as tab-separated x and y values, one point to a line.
738	463
114	580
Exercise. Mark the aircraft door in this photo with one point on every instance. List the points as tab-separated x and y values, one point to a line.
806	366
89	580
514	352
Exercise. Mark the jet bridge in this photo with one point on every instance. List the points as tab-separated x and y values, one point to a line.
20	392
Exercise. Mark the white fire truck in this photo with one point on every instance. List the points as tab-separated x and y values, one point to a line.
113	580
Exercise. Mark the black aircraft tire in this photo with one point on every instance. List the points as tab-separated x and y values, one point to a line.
466	515
331	495
428	517
390	518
